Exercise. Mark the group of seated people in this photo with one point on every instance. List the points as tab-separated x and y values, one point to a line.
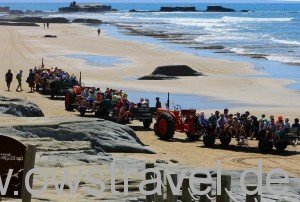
245	125
92	98
52	75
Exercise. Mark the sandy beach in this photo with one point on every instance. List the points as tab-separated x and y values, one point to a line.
24	47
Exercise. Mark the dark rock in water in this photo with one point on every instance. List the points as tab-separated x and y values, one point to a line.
176	70
177	9
16	12
74	7
50	36
19	107
104	136
157	77
210	47
257	56
246	11
133	10
89	21
4	9
218	9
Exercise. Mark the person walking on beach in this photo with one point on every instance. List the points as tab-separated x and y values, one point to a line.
99	32
31	80
19	79
47	25
8	79
44	25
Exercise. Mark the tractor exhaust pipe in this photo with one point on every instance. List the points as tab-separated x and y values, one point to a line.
168	102
80	78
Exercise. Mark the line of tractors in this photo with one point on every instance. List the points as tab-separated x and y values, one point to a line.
168	121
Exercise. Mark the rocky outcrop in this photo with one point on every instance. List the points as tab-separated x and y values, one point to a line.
157	77
19	107
218	9
176	70
74	7
178	9
102	136
88	21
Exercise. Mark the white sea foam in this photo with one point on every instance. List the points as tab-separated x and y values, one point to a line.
247	19
285	59
238	50
287	42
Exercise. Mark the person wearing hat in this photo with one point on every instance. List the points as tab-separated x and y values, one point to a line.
19	79
158	103
8	78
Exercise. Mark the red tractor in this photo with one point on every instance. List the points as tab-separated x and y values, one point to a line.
169	121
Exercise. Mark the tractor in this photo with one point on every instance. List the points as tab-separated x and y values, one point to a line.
179	120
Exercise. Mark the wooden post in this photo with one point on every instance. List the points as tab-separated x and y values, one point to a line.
160	198
225	184
149	187
29	162
251	198
186	197
170	196
204	198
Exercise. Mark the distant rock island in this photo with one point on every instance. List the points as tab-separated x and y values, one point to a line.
74	7
178	9
218	9
4	9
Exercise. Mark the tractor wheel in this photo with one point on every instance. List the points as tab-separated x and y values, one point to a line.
147	123
264	145
281	146
209	140
69	100
225	139
165	126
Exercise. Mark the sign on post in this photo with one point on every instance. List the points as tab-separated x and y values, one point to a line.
15	161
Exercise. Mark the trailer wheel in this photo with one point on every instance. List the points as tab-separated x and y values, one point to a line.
82	111
69	99
147	123
264	145
281	146
165	126
225	139
209	140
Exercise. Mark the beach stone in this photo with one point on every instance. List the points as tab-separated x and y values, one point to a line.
104	136
19	107
161	161
174	161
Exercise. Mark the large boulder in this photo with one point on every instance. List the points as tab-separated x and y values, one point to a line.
176	70
19	107
218	9
104	136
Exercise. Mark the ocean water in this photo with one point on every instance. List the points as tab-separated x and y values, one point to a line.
272	30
